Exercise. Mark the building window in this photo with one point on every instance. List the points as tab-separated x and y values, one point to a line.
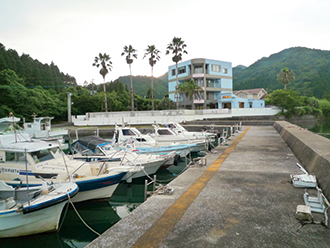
216	68
182	70
209	96
199	69
225	70
210	83
173	72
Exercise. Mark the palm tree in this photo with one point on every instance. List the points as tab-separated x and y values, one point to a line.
103	60
182	88
154	57
192	89
286	76
177	47
130	52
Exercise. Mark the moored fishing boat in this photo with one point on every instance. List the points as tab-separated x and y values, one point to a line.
24	213
144	143
164	135
39	160
180	130
95	149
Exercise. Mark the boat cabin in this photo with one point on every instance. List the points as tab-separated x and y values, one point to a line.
123	134
39	124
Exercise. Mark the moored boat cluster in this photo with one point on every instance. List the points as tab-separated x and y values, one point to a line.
37	178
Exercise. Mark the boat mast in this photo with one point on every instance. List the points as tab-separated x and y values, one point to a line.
27	175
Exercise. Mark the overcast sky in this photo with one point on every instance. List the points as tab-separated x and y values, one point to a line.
72	32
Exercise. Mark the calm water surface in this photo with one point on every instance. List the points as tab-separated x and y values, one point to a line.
321	128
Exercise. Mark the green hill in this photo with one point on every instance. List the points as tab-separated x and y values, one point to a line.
33	72
141	85
311	68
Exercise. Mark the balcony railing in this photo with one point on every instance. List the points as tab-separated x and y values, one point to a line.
198	70
198	75
199	101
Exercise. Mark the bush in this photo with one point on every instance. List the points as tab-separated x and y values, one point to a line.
300	111
325	107
312	102
317	112
308	110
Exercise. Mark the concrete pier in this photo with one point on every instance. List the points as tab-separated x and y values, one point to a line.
242	198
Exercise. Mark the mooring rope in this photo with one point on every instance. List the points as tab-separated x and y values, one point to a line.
82	220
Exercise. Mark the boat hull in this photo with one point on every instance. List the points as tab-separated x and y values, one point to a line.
14	224
90	188
182	150
101	187
198	147
149	169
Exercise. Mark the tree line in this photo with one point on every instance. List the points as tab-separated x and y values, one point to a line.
23	102
29	87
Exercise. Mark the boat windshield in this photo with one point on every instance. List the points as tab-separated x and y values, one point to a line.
137	132
128	132
44	155
179	126
164	132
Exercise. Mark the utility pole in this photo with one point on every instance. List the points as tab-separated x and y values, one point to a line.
69	107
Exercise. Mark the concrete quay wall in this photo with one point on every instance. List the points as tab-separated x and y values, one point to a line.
312	150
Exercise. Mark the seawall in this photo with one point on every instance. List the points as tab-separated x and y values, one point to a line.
312	150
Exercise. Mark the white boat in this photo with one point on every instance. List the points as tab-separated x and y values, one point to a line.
164	135
46	160
180	130
41	128
94	148
8	124
146	144
24	214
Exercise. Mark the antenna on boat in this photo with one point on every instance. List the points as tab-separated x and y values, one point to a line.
34	116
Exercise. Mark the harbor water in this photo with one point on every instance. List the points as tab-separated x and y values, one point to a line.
322	128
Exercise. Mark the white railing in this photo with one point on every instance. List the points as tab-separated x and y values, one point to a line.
163	116
255	111
199	101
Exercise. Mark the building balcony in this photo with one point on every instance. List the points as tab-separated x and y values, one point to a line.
198	75
200	101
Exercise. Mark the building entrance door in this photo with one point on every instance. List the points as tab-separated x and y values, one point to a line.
226	105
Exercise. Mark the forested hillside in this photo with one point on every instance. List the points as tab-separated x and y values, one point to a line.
142	85
32	71
311	68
